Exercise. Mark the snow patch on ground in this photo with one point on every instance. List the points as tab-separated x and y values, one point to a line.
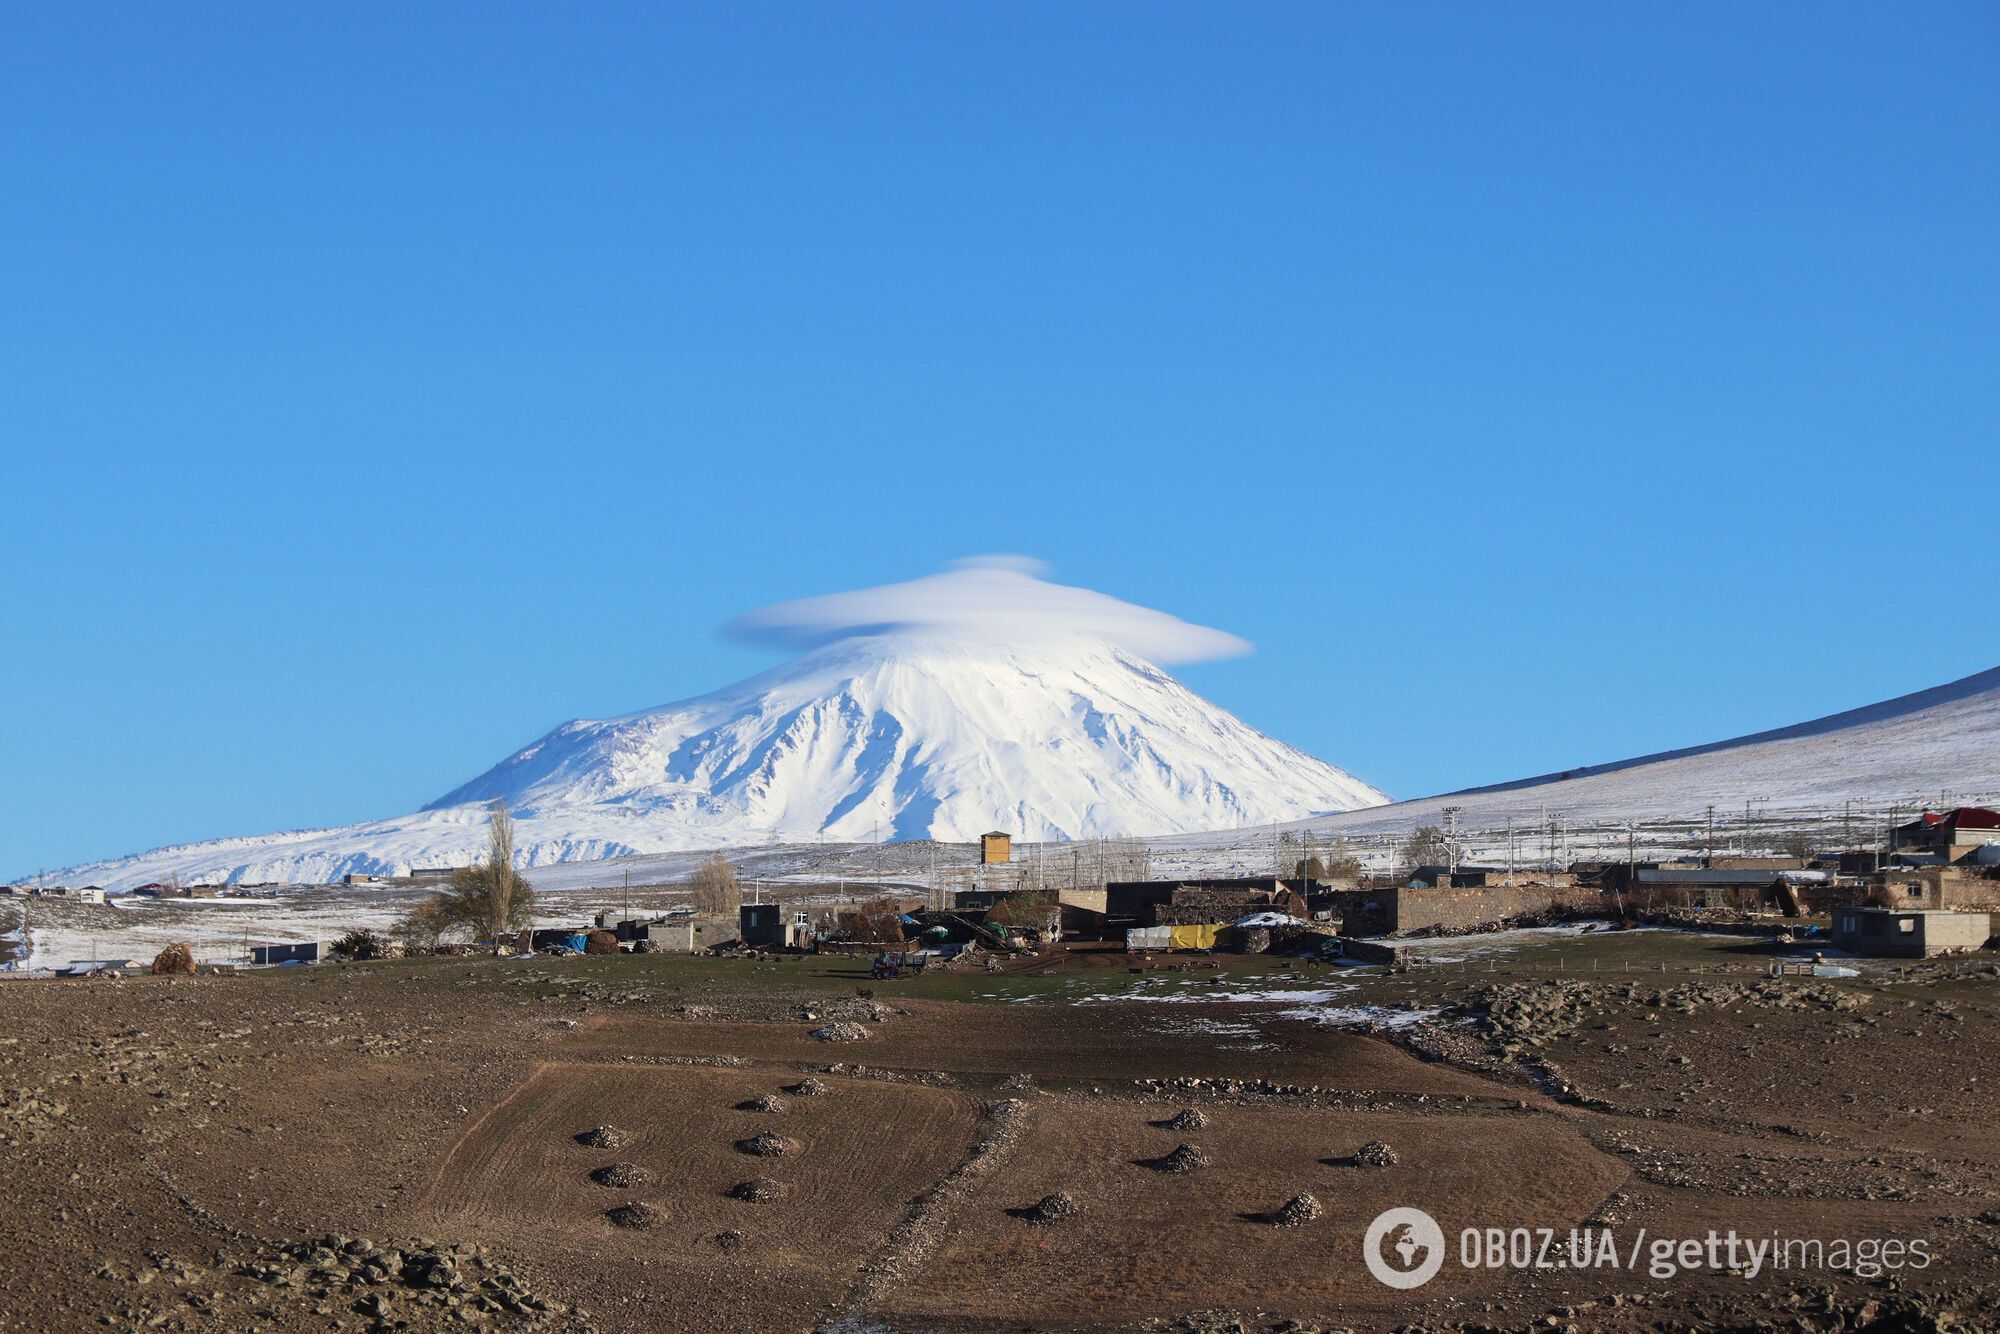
1361	1016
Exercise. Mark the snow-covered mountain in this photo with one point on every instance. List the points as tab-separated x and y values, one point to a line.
873	737
985	697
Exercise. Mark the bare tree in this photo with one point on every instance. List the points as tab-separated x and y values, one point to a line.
717	893
500	858
875	920
1426	846
490	899
1335	863
1797	843
425	925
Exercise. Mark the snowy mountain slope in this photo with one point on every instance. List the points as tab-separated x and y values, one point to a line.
870	738
913	737
1917	747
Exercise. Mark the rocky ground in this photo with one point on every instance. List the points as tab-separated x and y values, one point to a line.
264	1151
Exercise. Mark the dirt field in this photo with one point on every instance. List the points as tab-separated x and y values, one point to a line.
395	1145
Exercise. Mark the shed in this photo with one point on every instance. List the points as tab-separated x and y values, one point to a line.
1899	933
291	951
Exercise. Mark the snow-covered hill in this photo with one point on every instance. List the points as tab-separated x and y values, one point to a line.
873	737
1937	746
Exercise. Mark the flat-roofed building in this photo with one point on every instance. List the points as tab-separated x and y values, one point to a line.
1899	933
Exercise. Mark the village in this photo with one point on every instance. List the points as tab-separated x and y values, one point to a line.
1931	887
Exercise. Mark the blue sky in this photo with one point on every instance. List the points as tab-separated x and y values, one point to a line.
1533	384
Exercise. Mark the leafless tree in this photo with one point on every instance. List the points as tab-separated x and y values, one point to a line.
1426	846
717	892
1335	863
425	925
1797	843
491	899
873	920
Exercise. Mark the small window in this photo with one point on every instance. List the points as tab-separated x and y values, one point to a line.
1908	926
1916	891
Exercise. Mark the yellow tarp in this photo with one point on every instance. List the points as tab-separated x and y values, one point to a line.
1194	937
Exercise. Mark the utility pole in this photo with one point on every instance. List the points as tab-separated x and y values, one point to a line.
1748	802
1451	838
1709	860
1510	852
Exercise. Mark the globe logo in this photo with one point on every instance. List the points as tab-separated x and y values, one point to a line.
1404	1248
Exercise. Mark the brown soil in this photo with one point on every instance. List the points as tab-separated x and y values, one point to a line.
350	1147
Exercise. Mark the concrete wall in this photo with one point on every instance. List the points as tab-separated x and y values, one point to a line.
686	935
1957	931
1092	900
1938	887
1462	909
1379	912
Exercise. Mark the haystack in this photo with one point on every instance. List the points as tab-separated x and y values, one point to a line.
173	959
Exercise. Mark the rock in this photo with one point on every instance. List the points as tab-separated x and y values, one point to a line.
767	1144
1190	1118
635	1214
757	1190
1375	1154
1184	1158
841	1030
1296	1212
1049	1209
624	1176
603	1137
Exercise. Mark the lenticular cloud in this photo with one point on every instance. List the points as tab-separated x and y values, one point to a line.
993	598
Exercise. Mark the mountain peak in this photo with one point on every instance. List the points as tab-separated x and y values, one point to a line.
916	733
